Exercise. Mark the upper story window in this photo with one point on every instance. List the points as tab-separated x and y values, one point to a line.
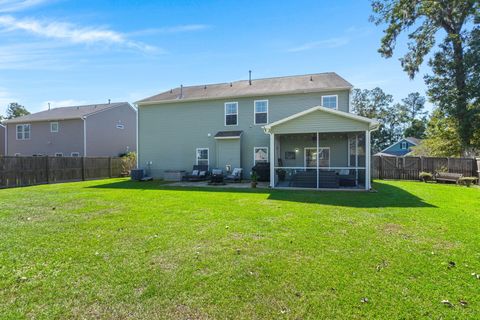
53	126
231	113
330	101
403	145
23	131
261	111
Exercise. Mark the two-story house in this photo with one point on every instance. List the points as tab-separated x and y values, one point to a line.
300	125
91	130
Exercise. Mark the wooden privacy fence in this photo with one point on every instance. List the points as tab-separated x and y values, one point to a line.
409	168
27	171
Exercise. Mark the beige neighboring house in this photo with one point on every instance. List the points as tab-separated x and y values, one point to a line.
2	140
101	130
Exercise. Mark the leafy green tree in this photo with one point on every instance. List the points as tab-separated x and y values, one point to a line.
416	129
15	110
442	139
376	104
457	18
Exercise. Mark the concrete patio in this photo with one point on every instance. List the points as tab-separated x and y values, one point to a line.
239	185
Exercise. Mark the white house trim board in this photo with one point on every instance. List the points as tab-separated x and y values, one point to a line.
272	160
373	124
84	136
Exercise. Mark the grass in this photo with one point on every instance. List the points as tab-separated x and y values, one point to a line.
116	249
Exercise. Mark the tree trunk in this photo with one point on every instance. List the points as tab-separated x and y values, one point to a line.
461	107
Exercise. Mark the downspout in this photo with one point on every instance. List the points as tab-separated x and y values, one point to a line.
136	132
84	136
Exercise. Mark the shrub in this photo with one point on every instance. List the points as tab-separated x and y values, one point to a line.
425	176
129	161
467	181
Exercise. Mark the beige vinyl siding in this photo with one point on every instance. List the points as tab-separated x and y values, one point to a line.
320	121
170	133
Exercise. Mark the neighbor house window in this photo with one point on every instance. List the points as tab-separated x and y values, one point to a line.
53	126
75	154
403	145
58	154
261	111
202	156
23	131
330	102
231	113
260	155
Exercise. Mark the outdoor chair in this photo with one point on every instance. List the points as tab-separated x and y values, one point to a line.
235	176
216	177
199	173
347	178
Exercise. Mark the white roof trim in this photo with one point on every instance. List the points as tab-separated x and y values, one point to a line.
373	123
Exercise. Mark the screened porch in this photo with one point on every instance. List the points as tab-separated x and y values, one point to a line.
320	160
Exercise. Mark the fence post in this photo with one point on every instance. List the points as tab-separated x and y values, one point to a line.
47	169
380	168
109	167
83	168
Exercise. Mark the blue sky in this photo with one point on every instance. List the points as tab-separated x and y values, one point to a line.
76	52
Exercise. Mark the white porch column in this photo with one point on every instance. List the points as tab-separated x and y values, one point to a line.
272	160
367	160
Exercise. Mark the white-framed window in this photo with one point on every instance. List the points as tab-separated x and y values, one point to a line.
261	111
75	154
260	155
54	127
202	156
231	113
58	154
120	126
330	101
403	145
23	131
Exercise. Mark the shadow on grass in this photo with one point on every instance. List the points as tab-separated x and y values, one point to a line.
386	195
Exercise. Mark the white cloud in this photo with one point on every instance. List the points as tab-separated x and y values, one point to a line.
173	29
322	44
18	5
62	103
72	33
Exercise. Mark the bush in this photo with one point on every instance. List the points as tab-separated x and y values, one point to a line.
129	161
425	176
467	181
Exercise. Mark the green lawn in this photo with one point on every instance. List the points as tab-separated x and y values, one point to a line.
117	249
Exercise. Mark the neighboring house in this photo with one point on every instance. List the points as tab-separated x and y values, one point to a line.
300	125
92	130
2	140
400	148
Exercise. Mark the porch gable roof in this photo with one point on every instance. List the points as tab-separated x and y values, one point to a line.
368	123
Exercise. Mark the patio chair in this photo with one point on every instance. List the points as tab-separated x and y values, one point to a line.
216	177
235	176
347	178
199	173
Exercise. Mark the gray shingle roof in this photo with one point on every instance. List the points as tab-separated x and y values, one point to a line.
64	113
259	87
228	134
